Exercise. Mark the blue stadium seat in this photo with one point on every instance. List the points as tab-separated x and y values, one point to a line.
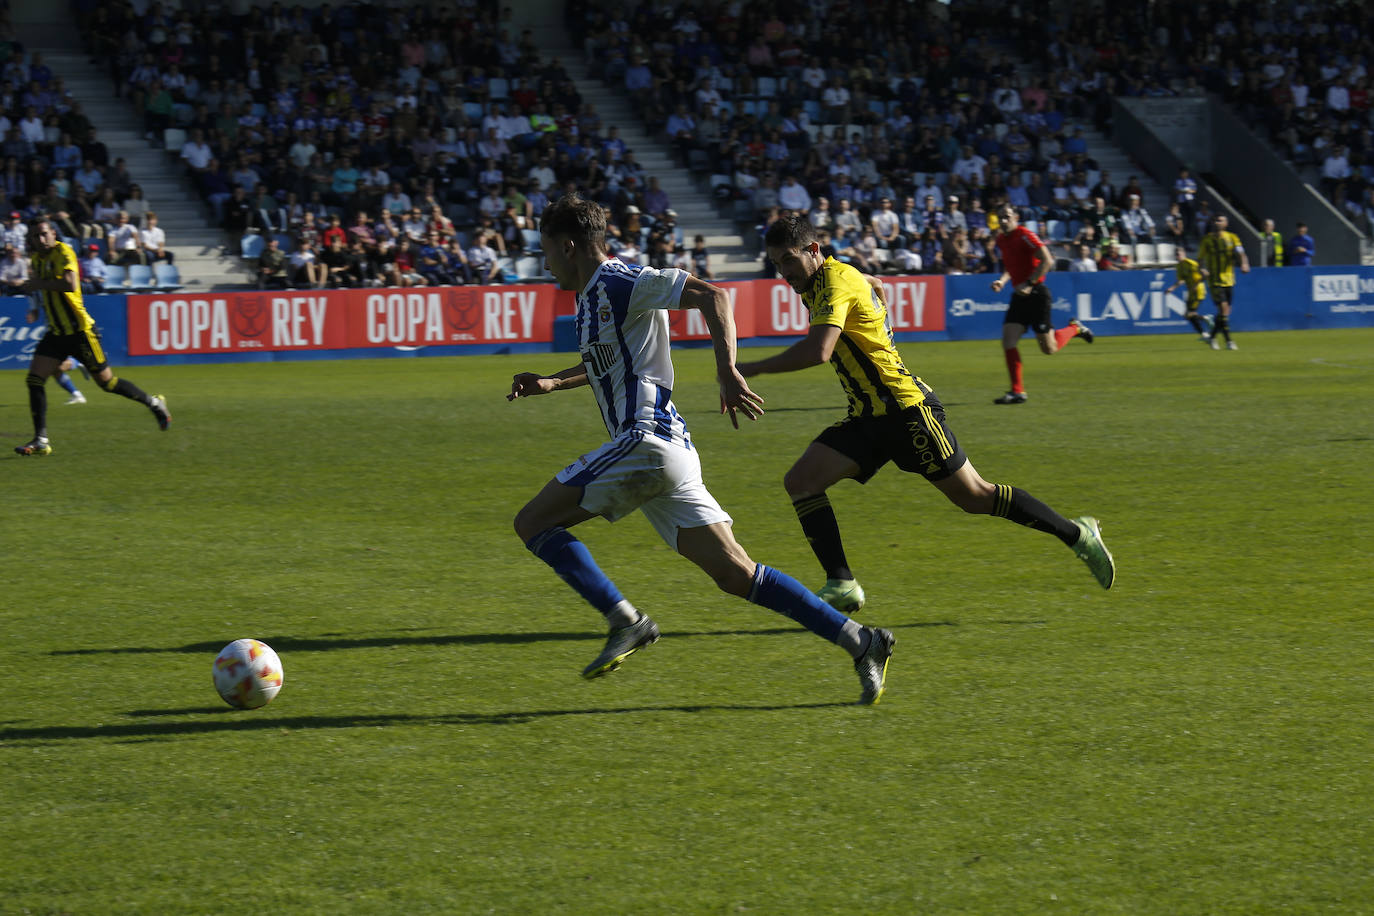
498	88
115	276
168	277
474	111
813	110
531	240
141	277
285	242
530	268
767	87
251	245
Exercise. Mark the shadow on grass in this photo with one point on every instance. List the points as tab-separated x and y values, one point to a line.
231	720
284	644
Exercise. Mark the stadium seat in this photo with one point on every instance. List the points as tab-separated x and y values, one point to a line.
474	111
878	107
1058	231
141	277
506	267
116	277
813	131
531	240
813	110
498	88
767	87
285	241
1144	253
698	160
167	277
173	138
1166	254
529	268
251	245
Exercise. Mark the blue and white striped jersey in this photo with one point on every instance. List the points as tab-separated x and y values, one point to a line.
622	332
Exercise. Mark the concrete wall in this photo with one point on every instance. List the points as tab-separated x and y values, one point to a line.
1164	134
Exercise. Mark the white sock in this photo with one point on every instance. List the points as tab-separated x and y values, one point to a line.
622	615
854	638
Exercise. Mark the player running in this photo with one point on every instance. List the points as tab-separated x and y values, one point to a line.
56	281
650	463
1217	255
893	416
1190	278
1026	260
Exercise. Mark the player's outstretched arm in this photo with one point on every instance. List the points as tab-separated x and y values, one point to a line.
529	384
714	305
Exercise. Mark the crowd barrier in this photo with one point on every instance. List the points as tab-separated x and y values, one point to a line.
186	327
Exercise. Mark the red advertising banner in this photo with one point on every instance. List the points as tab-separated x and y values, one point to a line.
687	324
239	322
234	322
913	304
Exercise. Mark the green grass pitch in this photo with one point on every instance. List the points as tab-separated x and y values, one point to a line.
1198	740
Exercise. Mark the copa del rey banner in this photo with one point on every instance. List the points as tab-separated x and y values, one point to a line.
234	322
244	322
769	308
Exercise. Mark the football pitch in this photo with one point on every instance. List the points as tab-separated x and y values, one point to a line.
1195	741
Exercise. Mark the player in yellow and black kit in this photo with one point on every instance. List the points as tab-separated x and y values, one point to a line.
1189	276
55	282
1217	254
893	416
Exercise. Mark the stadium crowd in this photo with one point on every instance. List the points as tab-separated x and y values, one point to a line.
53	165
416	144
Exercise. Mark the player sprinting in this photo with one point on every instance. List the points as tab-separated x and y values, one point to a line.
650	462
1025	262
1190	278
1217	255
55	280
893	416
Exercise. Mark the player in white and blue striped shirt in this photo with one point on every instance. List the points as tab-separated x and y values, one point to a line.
649	463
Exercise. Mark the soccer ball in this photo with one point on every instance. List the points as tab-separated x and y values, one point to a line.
247	673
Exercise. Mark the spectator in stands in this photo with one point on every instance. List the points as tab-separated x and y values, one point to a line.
306	270
1302	248
955	219
1136	223
847	223
153	241
1271	245
136	206
1185	195
482	259
1112	258
886	225
238	212
701	259
15	233
14	271
93	271
271	266
1083	262
125	246
196	153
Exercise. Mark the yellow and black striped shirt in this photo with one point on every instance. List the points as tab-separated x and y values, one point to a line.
65	312
865	357
1217	255
1190	276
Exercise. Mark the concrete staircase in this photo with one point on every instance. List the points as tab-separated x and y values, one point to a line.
1112	158
731	255
191	234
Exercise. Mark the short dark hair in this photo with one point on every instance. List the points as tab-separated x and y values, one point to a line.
574	217
790	232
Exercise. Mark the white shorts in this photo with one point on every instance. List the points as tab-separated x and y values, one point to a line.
641	471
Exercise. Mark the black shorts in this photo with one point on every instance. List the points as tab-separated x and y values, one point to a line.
916	440
83	346
1222	294
1031	309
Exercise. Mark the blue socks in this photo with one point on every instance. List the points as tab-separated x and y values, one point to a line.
66	382
573	562
779	592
